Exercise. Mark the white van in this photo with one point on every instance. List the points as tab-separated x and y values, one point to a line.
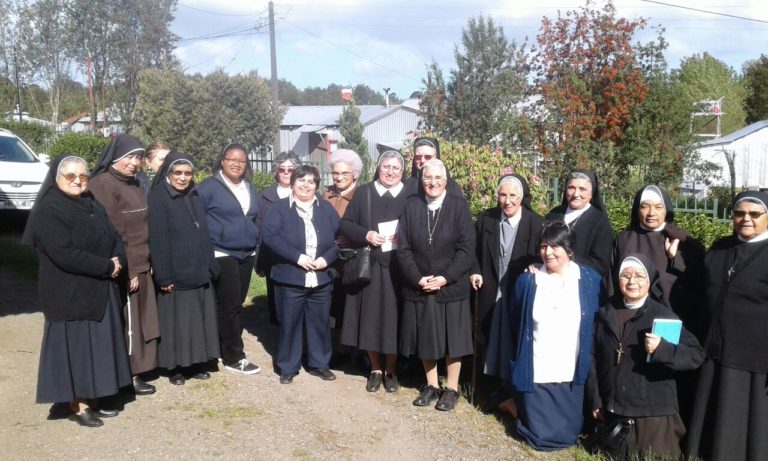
21	172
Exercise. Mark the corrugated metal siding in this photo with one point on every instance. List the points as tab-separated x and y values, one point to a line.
393	128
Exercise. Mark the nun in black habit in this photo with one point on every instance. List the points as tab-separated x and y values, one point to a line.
730	414
83	355
583	210
183	265
425	149
372	311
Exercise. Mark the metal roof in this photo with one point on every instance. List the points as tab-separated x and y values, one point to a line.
747	130
329	115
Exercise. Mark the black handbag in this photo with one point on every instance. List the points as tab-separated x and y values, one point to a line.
357	263
610	439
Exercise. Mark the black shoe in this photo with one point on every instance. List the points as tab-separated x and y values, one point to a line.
105	413
87	418
323	373
59	410
427	395
177	379
287	379
448	400
390	383
141	387
374	381
203	375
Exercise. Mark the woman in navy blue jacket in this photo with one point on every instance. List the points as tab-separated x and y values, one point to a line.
301	232
231	207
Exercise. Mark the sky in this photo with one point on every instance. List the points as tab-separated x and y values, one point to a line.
388	44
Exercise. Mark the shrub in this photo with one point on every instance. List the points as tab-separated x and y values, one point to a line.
86	146
36	136
703	227
262	180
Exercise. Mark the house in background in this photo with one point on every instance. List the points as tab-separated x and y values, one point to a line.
313	131
81	123
748	147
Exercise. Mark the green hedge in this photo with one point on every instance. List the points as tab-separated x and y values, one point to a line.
36	136
86	146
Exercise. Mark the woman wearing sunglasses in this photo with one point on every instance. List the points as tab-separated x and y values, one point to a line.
183	265
730	413
230	204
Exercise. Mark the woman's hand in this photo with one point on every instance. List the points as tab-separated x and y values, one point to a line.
651	342
133	285
117	268
319	264
670	245
374	238
598	414
476	280
306	263
167	288
532	268
434	283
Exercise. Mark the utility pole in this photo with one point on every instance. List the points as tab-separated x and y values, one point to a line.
16	74
273	62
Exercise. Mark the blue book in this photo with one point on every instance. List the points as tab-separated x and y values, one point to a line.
669	329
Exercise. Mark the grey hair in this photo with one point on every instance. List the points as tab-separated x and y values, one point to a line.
386	155
754	200
435	163
578	175
511	180
287	156
71	159
349	157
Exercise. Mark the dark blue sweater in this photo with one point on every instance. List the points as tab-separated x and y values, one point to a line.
230	230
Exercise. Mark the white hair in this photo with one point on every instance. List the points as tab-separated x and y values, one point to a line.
349	157
435	163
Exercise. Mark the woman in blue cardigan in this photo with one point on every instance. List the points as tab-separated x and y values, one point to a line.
301	232
545	336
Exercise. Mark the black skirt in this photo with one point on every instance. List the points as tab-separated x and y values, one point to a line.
189	331
83	359
371	313
433	330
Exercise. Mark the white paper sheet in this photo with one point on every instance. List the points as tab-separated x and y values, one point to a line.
388	229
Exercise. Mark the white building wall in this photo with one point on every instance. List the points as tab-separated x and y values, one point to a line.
751	160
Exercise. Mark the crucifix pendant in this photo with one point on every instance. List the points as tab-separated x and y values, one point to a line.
430	240
619	352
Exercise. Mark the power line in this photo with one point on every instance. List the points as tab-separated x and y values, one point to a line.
218	13
706	11
383	66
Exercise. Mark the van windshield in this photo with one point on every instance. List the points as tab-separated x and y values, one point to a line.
13	150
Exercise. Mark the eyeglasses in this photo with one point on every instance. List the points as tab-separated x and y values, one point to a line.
511	197
434	179
424	157
178	173
234	161
638	277
285	169
740	214
341	174
392	168
71	177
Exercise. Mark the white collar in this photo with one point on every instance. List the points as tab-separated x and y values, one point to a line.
394	190
435	203
755	239
658	229
572	273
292	200
230	184
572	215
636	305
514	220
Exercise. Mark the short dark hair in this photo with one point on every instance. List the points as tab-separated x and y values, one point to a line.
558	233
304	170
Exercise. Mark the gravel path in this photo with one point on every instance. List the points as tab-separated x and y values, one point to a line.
234	416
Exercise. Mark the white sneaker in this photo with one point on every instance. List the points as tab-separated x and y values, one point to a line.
244	366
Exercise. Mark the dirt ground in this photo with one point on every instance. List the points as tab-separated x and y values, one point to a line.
234	416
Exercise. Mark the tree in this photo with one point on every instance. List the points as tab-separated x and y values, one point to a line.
352	131
589	76
756	82
490	79
199	115
705	77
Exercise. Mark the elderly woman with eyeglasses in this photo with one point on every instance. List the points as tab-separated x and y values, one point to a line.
231	208
545	340
634	369
283	165
183	267
730	414
371	314
83	355
437	248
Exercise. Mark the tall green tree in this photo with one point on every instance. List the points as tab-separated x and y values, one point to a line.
199	115
352	130
489	80
756	82
706	77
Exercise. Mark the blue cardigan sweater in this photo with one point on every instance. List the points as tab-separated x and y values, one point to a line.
510	348
283	233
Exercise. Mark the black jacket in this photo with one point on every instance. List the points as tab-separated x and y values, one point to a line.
525	251
635	387
594	238
181	250
75	242
452	251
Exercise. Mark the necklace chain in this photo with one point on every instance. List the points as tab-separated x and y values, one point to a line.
431	231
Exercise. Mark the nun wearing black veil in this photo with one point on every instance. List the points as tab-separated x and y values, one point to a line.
730	413
83	356
115	186
425	149
182	265
583	210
